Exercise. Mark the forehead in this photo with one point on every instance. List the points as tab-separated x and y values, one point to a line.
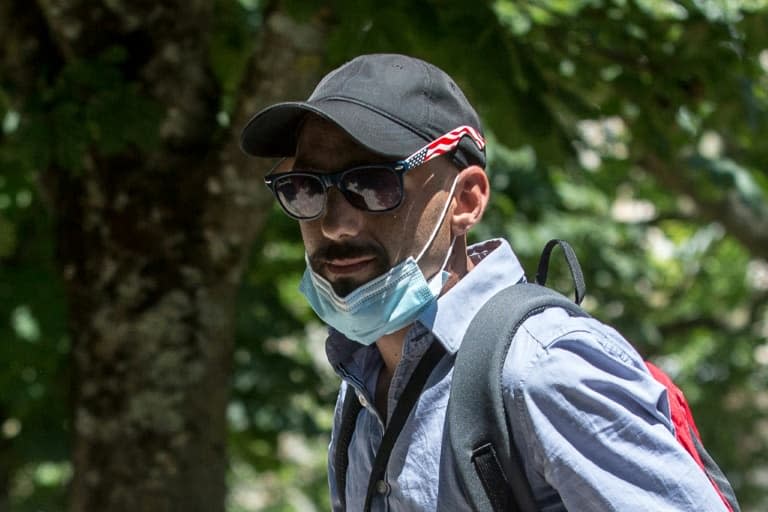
323	145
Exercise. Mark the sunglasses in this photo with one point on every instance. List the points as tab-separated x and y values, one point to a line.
302	194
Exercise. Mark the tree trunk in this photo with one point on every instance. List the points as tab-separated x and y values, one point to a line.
152	245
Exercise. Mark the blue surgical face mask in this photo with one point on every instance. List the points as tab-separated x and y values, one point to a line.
383	305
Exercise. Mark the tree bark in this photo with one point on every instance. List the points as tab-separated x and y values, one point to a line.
152	246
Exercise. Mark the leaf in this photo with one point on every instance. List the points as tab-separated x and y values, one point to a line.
7	237
728	174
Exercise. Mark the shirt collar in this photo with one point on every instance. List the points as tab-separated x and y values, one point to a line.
496	267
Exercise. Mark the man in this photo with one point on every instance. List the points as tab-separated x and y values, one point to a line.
385	175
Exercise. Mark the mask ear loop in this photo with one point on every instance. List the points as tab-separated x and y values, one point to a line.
437	227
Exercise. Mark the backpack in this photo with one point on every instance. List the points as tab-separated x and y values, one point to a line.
489	465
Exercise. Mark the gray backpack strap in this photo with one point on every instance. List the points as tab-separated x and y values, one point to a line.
580	288
489	465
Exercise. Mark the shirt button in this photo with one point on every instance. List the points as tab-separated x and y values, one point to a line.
382	487
362	400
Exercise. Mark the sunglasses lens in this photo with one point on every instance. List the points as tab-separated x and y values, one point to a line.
373	189
301	196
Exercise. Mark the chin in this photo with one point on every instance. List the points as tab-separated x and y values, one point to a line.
345	285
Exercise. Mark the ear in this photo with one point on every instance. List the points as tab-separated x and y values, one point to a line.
470	199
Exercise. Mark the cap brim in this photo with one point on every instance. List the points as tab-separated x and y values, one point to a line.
273	132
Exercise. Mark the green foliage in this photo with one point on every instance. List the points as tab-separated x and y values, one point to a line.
283	390
726	175
231	44
34	348
90	105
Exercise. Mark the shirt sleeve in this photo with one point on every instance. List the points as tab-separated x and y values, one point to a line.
593	425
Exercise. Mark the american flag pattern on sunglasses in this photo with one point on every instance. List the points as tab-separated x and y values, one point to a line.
443	145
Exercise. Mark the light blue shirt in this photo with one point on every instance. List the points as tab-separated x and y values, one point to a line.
591	424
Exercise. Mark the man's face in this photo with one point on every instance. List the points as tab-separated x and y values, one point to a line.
348	246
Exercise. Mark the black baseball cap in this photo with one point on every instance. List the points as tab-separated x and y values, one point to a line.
391	104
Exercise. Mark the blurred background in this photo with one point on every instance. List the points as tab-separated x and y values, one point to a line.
155	354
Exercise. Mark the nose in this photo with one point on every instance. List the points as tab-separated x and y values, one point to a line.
340	219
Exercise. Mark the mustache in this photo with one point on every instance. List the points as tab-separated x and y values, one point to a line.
345	250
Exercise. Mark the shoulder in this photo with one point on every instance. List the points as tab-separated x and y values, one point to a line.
563	370
555	356
592	422
553	338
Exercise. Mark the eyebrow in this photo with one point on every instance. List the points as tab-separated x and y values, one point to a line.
308	162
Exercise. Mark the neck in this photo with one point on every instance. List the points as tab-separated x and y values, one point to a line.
391	348
391	345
